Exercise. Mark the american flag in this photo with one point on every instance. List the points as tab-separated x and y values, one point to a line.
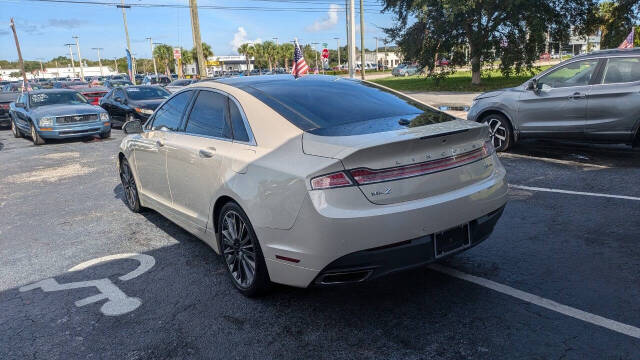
628	42
299	67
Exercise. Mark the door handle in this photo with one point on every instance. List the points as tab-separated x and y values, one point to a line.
577	95
206	153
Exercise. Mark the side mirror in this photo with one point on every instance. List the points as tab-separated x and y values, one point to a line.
117	99
132	127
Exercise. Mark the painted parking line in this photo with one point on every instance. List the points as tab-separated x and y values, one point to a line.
533	188
553	161
542	302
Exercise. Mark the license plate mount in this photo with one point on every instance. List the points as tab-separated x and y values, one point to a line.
451	240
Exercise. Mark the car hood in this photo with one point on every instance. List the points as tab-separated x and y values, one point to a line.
150	104
61	110
498	92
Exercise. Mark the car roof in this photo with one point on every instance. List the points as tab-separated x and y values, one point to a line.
283	79
45	91
608	52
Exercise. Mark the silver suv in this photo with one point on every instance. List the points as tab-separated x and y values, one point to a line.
593	97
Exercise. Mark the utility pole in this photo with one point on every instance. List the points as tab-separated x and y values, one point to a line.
99	60
197	40
126	33
338	42
155	69
79	57
115	64
57	69
15	37
351	38
363	58
41	68
315	51
73	65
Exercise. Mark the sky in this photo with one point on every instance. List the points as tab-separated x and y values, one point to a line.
44	27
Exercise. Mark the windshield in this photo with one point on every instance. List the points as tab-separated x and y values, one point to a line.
56	98
146	93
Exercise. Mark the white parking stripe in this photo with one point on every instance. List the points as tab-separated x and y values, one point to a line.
532	188
550	160
540	301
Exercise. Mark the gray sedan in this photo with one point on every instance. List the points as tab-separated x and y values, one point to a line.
593	97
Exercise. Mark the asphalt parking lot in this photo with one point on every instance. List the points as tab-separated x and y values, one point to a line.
558	279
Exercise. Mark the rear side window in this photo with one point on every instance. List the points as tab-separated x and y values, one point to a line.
208	116
239	130
170	114
622	70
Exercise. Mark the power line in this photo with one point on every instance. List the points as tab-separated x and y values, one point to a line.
204	7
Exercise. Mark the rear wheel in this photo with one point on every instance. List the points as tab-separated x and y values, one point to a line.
106	134
37	140
241	251
500	131
130	188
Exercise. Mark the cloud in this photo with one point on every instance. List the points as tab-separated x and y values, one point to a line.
328	22
240	37
65	23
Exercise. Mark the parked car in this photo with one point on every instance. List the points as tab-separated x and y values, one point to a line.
405	70
92	93
153	80
133	102
69	84
17	86
56	114
593	97
110	84
442	62
179	84
347	182
6	98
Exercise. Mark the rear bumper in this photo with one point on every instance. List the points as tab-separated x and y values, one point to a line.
373	263
70	131
327	237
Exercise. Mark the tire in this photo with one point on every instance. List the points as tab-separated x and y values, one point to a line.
240	249
14	130
105	135
405	74
131	197
37	140
500	131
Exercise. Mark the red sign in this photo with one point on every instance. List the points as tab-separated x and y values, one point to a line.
325	53
177	54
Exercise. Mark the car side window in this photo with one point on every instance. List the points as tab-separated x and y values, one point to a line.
208	116
118	93
573	74
622	70
237	123
170	114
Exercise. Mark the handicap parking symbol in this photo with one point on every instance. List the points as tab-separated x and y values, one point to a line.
118	303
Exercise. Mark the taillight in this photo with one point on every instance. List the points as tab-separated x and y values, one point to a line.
367	176
333	180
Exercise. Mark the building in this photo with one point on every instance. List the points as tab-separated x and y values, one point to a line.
387	58
228	63
49	73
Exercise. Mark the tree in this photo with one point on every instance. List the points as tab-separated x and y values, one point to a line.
614	20
286	53
513	31
269	53
248	51
164	54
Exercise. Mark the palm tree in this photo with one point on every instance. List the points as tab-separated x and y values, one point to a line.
247	50
187	58
258	56
164	54
286	52
269	52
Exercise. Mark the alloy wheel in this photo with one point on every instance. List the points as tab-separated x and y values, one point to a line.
14	129
129	185
498	132
238	249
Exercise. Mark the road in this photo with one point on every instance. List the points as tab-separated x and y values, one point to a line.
61	205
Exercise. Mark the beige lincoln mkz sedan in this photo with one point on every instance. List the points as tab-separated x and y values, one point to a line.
317	180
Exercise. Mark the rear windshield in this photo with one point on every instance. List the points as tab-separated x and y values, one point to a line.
343	107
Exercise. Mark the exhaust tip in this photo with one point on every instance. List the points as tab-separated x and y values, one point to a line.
344	277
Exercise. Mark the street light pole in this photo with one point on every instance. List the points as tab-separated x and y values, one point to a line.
363	58
377	68
315	51
126	33
79	57
99	60
73	66
155	69
338	42
351	39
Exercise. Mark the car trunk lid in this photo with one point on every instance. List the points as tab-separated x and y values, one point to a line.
411	163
